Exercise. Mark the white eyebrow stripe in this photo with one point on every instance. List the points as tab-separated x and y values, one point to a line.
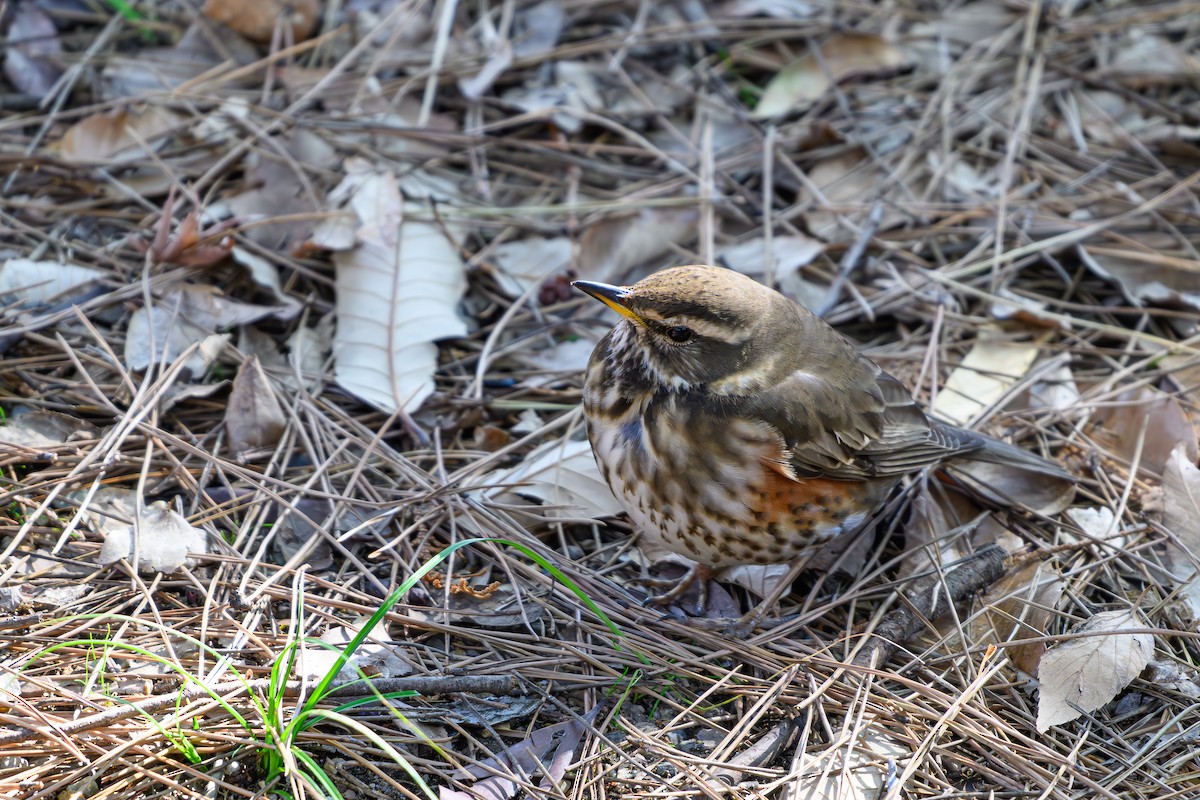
704	327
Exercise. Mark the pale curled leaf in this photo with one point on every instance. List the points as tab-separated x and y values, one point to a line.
39	430
1181	513
1019	606
564	476
856	770
164	539
1084	673
842	56
117	135
398	293
253	416
38	282
985	375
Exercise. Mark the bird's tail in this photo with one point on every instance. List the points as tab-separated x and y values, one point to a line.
998	452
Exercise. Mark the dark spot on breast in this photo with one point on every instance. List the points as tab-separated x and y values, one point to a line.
631	433
620	406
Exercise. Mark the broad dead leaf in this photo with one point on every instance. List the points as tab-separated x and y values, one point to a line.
609	249
547	752
34	283
163	537
1147	275
1085	673
856	770
524	262
561	474
1119	426
790	253
32	52
397	293
253	416
985	375
842	56
377	657
116	135
40	430
1018	606
849	183
257	21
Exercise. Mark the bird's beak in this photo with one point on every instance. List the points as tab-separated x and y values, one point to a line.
615	297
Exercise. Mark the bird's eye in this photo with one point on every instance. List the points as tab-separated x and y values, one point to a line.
679	333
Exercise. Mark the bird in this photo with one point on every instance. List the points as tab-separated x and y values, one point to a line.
736	427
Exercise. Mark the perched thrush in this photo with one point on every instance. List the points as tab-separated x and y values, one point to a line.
736	427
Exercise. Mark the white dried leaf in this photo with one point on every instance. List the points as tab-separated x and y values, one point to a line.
164	540
157	330
525	262
857	770
610	248
398	293
842	56
986	373
43	429
39	282
564	476
1083	674
1181	512
266	275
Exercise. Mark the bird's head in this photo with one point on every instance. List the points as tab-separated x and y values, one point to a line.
702	326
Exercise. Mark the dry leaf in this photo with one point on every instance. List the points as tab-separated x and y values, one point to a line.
849	183
1147	276
164	539
1120	424
32	51
1084	673
257	20
561	474
253	416
40	430
842	56
790	253
1181	512
116	135
1018	606
609	249
985	375
397	293
547	752
855	770
524	262
35	283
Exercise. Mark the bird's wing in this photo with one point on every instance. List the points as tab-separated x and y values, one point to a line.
855	424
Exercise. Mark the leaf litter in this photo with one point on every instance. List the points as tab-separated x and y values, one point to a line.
286	312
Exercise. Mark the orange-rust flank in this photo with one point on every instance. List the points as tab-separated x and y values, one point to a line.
738	428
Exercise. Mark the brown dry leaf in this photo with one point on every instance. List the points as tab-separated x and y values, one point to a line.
1018	606
994	364
253	417
257	20
32	51
1084	673
1151	276
115	135
848	184
842	56
1120	424
274	189
612	247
